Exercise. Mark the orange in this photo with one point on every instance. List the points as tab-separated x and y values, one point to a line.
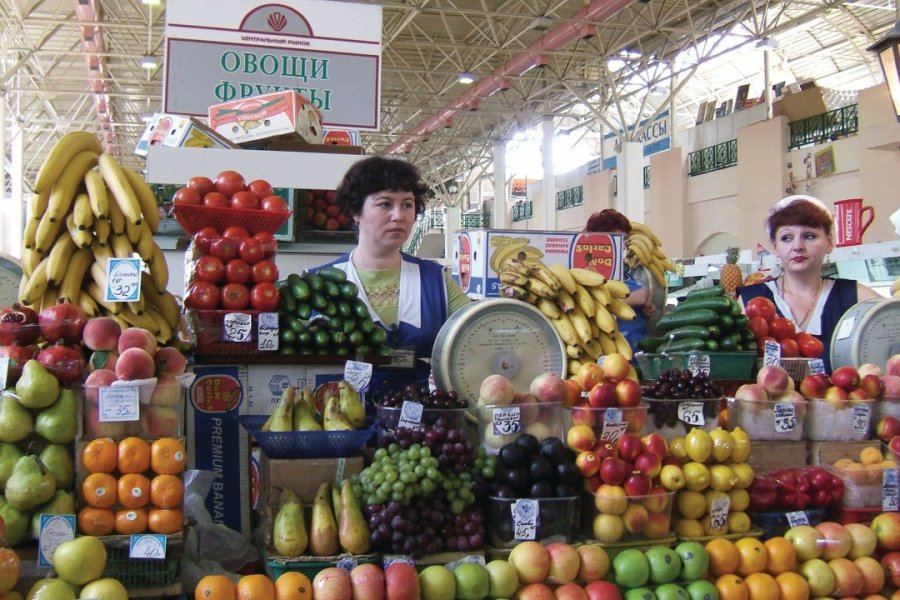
781	555
96	521
723	556
292	585
792	586
133	490
215	587
99	490
732	587
761	586
131	521
753	556
100	456
164	520
255	587
134	455
167	456
166	491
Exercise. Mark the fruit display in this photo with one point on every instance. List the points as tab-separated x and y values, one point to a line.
679	399
864	478
645	249
320	313
435	404
841	406
502	412
322	212
596	388
795	489
78	564
766	325
86	209
770	409
298	411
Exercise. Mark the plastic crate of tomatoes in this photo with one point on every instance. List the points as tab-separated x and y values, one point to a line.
225	331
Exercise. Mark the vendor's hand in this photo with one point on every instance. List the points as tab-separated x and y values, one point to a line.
649	309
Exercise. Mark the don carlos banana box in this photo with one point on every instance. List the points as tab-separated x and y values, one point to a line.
478	253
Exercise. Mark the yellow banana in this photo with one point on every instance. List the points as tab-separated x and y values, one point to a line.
49	298
605	321
96	190
98	274
81	237
622	345
122	322
70	288
116	219
97	294
159	270
30	260
595	329
58	259
565	329
69	145
668	265
46	233
658	275
513	291
37	284
565	278
144	245
617	289
88	305
147	287
63	192
165	331
621	310
641	228
167	306
565	301
145	196
121	190
541	271
138	306
587	277
600	294
514	265
84	218
102	254
606	343
580	324
539	288
639	252
547	307
133	232
37	206
593	349
28	236
143	321
512	278
584	300
121	247
574	351
658	253
101	231
637	238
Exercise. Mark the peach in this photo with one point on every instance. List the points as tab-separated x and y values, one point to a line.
610	499
628	392
892	367
95	380
170	360
752	392
836	397
159	422
535	591
102	359
616	367
564	562
773	379
570	591
869	369
581	437
137	337
891	385
872	385
845	377
849	578
835	540
635	518
495	389
528	407
367	582
814	386
540	430
531	560
94	428
589	374
549	387
135	363
873	574
167	391
101	333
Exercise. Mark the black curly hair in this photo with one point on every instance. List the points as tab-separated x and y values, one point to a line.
378	174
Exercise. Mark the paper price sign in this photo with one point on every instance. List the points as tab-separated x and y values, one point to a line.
4	371
785	417
147	545
358	374
797	518
861	418
347	564
506	420
410	415
816	366
698	364
119	403
123	282
469	558
691	413
267	334
772	353
54	530
614	426
525	517
718	513
236	327
889	491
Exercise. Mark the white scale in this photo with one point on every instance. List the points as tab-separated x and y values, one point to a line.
867	333
10	277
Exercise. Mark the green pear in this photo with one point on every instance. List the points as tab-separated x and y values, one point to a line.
15	420
58	460
80	560
16	523
62	503
353	531
323	531
9	454
58	423
37	387
289	533
51	588
30	484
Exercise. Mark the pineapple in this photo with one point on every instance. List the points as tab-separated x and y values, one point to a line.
730	276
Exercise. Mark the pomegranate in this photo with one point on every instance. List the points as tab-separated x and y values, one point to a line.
65	362
62	321
18	324
18	356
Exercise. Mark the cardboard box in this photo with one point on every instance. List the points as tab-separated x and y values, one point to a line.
476	252
263	384
303	476
341	137
765	456
175	131
826	453
801	105
286	115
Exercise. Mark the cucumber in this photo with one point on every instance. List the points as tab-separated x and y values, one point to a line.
688	331
726	322
296	325
720	304
378	336
714	331
683	345
363	349
736	309
360	310
287	300
329	309
356	338
367	325
700	316
299	288
332	274
287	336
726	344
318	301
331	289
649	343
321	338
315	281
741	321
712	345
304	311
338	338
349	325
304	338
716	290
286	350
349	291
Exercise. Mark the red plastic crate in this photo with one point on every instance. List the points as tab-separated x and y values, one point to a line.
193	218
208	328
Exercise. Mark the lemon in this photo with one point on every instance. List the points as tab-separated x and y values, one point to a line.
744	474
691	505
707	528
711	496
698	445
696	476
689	528
721	478
722	444
741	450
738	522
740	499
677	449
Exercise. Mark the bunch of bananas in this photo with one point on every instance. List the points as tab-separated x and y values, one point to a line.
508	247
582	305
645	249
85	209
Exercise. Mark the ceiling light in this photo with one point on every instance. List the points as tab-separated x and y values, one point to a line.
466	78
148	62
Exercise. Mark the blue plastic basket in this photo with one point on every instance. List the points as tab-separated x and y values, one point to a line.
306	444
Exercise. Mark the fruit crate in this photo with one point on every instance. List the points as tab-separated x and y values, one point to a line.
848	423
556	520
137	573
306	444
775	523
722	365
672	418
193	218
208	330
277	565
761	420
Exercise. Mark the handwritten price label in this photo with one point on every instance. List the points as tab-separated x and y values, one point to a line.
698	364
614	426
410	415
797	518
123	282
785	417
772	353
816	366
718	513
119	403
358	374
54	530
861	416
889	491
237	327
147	545
267	333
525	516
506	420
691	413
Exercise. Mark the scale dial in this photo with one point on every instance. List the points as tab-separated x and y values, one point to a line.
495	336
10	277
867	333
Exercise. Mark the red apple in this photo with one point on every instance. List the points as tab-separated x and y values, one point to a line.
602	395
628	393
604	590
613	470
655	443
587	463
605	450
872	385
845	377
814	386
589	375
637	483
886	526
891	564
629	447
648	463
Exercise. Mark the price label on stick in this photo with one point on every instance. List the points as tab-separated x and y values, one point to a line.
718	513
816	366
861	418
785	417
123	280
506	420
119	403
237	327
614	426
525	517
267	334
772	353
410	415
698	364
691	413
797	518
889	492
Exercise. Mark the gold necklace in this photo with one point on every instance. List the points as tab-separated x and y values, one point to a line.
808	313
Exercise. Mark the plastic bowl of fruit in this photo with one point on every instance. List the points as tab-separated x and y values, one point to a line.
680	400
411	410
838	421
612	516
499	424
768	420
599	418
513	520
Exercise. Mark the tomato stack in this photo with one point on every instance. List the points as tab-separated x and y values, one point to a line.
766	324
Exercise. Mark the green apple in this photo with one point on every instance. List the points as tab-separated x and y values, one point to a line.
702	590
437	583
671	591
104	589
631	568
51	589
694	560
472	582
80	560
665	564
819	576
640	593
503	578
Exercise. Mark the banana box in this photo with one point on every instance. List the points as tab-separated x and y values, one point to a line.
285	115
176	131
478	254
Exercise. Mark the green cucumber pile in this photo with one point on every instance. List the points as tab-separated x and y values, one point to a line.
322	314
706	320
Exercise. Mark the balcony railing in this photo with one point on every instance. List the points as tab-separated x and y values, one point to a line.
825	127
522	210
713	158
474	220
570	198
430	220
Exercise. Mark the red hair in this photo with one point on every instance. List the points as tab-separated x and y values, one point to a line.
799	212
608	219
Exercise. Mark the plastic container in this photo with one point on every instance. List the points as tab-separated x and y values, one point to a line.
137	573
886	407
193	218
613	519
673	418
776	523
208	327
555	520
499	425
635	416
768	420
306	444
722	365
862	485
278	565
388	418
827	423
160	411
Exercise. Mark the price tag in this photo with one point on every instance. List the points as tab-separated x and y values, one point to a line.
718	513
772	353
525	516
861	415
410	415
267	332
119	403
236	327
816	366
698	364
785	417
468	558
147	545
4	371
506	420
339	472
358	374
614	426
347	563
123	282
797	518
889	492
54	530
691	413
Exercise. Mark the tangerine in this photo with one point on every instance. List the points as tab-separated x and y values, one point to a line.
761	586
215	587
292	585
753	556
96	521
255	587
165	520
100	456
792	586
167	456
166	491
99	490
723	556
131	521
731	587
781	555
133	490
134	455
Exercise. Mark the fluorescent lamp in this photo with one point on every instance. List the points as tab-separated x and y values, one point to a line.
149	63
466	78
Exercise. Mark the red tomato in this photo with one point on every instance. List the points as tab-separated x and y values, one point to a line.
205	237
265	271
251	250
760	307
237	271
204	185
229	183
260	188
224	248
264	296
244	199
759	327
789	348
781	328
186	195
209	268
235	232
235	296
269	243
202	295
274	204
761	344
216	200
810	345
